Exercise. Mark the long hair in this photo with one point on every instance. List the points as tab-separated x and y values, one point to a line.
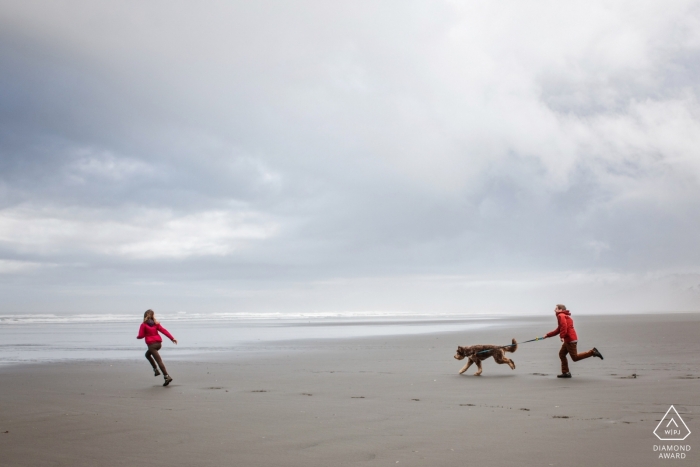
150	314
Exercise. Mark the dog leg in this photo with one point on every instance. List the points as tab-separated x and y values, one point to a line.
478	364
501	358
465	367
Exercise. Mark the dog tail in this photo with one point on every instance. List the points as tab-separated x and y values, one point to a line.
512	348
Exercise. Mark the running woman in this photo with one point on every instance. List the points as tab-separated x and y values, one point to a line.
149	329
569	340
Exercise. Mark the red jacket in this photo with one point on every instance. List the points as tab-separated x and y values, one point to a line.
566	327
151	333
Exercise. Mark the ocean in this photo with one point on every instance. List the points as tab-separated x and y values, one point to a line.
40	338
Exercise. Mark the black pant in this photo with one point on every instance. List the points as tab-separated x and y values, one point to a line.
153	356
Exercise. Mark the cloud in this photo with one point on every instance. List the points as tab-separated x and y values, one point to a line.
139	234
18	267
106	166
284	144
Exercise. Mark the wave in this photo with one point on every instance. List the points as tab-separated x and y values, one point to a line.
47	318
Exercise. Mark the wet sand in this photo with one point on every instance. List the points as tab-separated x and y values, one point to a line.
370	401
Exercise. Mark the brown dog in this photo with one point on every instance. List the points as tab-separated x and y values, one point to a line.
477	353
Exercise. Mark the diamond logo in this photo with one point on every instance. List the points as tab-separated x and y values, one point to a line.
671	427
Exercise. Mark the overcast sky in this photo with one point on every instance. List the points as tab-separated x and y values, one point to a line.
422	156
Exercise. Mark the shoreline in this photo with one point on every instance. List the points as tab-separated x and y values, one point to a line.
35	343
115	342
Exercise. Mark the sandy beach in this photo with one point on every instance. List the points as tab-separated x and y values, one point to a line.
366	401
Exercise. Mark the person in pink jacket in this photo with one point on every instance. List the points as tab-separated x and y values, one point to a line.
569	340
149	330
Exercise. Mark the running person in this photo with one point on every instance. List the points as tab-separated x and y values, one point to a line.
569	339
149	329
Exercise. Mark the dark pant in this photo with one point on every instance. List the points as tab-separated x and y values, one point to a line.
152	354
570	348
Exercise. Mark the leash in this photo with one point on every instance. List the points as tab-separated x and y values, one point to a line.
512	345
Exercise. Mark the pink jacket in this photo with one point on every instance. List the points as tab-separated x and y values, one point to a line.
151	333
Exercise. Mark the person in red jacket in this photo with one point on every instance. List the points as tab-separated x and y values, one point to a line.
569	339
149	329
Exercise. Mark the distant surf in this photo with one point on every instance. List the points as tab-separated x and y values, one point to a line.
67	318
27	338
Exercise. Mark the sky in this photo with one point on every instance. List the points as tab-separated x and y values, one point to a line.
349	156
